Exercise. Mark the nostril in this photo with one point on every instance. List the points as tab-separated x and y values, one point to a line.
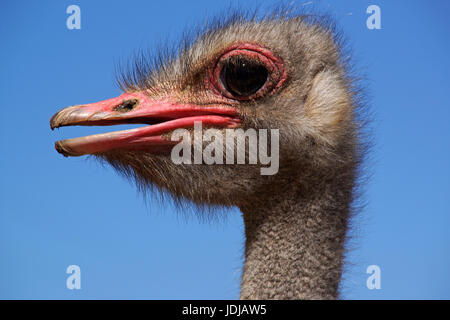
126	105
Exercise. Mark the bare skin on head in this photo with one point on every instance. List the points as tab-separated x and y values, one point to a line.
281	73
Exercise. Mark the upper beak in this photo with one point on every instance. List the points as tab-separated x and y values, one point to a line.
162	115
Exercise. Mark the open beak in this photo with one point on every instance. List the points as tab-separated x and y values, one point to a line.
161	116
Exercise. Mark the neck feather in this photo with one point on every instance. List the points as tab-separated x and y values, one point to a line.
295	243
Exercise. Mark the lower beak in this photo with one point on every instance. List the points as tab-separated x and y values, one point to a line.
161	115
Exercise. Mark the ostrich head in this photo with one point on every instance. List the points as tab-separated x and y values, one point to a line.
278	72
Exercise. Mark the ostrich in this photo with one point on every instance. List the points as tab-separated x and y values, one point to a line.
280	72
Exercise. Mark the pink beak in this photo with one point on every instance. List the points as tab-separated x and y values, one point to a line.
163	116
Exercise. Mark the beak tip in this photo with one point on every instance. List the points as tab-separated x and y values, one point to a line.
60	149
66	150
53	123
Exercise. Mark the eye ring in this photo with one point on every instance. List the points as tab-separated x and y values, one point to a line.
257	56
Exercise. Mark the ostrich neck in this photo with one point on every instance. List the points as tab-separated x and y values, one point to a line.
294	244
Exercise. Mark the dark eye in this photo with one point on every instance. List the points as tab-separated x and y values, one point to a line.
243	77
247	71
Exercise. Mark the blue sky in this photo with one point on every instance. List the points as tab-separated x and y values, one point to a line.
55	212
